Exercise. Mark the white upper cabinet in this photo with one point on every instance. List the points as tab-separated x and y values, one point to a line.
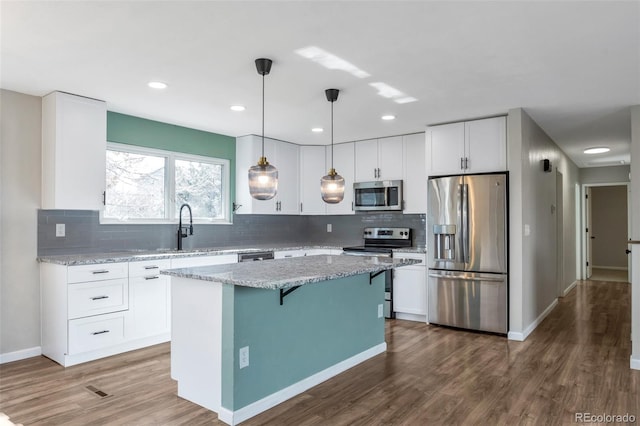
284	156
415	174
476	146
378	159
344	163
312	168
74	146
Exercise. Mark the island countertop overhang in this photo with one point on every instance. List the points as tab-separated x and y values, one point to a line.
290	272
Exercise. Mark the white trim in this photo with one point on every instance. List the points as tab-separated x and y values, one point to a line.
21	354
634	363
613	268
521	337
411	317
568	289
270	401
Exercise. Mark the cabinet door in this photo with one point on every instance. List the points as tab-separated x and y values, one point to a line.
390	155
486	142
415	174
150	305
248	152
366	163
266	206
312	168
74	149
410	290
445	149
288	181
344	163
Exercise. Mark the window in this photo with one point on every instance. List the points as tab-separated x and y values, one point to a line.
150	185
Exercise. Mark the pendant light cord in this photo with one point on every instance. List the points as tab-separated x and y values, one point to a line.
263	116
331	134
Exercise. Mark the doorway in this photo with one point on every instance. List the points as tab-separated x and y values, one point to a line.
605	232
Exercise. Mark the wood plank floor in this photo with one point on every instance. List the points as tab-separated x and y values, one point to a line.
577	360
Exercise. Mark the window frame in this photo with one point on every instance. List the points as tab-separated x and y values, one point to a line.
170	185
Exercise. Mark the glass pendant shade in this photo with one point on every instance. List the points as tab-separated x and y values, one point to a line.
332	187
263	180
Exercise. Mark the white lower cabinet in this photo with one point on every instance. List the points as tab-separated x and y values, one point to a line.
150	299
96	332
410	288
283	254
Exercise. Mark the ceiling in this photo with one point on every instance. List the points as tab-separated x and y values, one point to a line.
573	66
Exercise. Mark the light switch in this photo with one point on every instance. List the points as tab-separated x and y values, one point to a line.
329	227
527	230
60	230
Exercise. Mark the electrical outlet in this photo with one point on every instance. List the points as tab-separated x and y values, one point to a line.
527	230
329	227
244	357
380	310
60	230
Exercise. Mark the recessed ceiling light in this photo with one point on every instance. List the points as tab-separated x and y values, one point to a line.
157	85
596	150
388	117
237	108
317	130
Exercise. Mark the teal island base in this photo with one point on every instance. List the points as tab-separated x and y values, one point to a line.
237	351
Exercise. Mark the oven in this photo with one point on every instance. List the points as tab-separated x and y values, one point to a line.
380	242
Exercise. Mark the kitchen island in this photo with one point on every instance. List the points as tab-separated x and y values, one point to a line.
248	336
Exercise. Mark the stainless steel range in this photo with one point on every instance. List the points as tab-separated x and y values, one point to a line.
381	242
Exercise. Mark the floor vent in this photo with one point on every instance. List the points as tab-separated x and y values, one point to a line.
97	391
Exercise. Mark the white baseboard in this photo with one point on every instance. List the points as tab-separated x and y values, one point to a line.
520	337
612	268
634	363
21	354
568	289
411	317
253	409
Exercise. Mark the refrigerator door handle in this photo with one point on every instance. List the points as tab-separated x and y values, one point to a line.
465	223
465	278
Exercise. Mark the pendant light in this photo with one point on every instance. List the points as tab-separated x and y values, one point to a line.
263	177
332	185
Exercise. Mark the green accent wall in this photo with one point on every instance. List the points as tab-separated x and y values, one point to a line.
318	326
137	131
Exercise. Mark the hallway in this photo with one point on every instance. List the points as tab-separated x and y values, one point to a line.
577	360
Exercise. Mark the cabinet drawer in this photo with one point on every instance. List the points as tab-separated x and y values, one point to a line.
88	334
98	272
98	297
148	267
417	256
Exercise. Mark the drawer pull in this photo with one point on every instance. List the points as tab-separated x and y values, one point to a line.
151	267
154	277
102	271
100	332
99	297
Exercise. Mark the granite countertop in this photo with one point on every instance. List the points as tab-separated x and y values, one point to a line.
284	273
138	255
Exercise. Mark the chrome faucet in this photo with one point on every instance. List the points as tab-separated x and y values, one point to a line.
182	230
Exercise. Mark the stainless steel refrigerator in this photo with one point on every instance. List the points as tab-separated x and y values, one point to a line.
467	234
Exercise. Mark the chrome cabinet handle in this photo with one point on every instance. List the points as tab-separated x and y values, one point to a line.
461	163
154	277
99	297
151	267
100	332
102	271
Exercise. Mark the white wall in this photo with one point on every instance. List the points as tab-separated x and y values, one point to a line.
533	282
20	160
611	174
635	235
609	226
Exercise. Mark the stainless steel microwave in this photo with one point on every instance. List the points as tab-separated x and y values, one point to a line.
377	195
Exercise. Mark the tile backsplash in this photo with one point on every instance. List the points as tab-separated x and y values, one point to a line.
85	234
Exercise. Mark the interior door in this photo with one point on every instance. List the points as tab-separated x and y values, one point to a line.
588	231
